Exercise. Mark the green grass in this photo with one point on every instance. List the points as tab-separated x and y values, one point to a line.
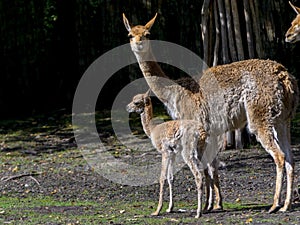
41	210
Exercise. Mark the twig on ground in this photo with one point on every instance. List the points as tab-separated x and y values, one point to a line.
31	175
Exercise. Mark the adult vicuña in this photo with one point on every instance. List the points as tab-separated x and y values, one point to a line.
293	33
180	100
185	137
258	92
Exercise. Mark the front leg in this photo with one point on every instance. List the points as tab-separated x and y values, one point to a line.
209	191
164	167
170	180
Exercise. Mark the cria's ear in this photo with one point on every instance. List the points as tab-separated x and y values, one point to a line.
296	9
126	23
151	22
147	94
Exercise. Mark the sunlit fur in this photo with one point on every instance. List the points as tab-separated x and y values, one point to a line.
293	33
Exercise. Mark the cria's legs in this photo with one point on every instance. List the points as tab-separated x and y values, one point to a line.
170	179
164	167
193	164
209	191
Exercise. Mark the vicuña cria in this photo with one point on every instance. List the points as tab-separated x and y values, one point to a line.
185	137
293	33
258	92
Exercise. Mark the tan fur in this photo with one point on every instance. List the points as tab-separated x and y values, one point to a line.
258	92
293	33
186	137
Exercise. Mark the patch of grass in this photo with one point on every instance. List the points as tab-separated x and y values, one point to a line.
42	210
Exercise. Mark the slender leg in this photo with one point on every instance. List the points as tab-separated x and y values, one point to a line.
209	191
164	167
170	180
271	145
217	188
193	164
289	166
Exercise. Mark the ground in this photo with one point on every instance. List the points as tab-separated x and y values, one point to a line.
44	179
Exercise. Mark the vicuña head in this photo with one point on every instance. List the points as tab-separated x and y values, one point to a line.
293	33
139	102
139	35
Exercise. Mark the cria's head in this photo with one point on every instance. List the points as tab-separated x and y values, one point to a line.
139	102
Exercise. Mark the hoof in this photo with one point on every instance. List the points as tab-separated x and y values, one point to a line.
218	208
198	216
273	209
169	210
284	208
154	214
207	209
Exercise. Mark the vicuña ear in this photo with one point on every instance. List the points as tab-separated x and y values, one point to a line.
296	9
126	23
147	94
151	22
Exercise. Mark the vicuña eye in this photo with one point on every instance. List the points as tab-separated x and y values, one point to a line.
130	36
147	35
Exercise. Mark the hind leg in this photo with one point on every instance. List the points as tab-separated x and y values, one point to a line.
284	139
170	180
268	140
215	167
212	185
164	170
193	164
209	191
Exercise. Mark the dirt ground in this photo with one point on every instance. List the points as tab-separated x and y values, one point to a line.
247	181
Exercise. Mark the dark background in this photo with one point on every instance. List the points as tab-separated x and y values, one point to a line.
47	45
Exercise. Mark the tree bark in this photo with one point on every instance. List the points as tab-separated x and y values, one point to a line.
230	32
248	29
237	30
204	29
256	29
225	56
217	30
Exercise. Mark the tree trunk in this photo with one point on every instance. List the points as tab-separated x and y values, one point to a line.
204	29
217	41
224	39
230	31
237	30
248	29
256	31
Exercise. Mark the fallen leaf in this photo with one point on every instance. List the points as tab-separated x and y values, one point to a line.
250	220
15	169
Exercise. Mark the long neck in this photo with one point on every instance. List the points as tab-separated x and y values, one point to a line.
161	85
149	65
146	118
180	102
